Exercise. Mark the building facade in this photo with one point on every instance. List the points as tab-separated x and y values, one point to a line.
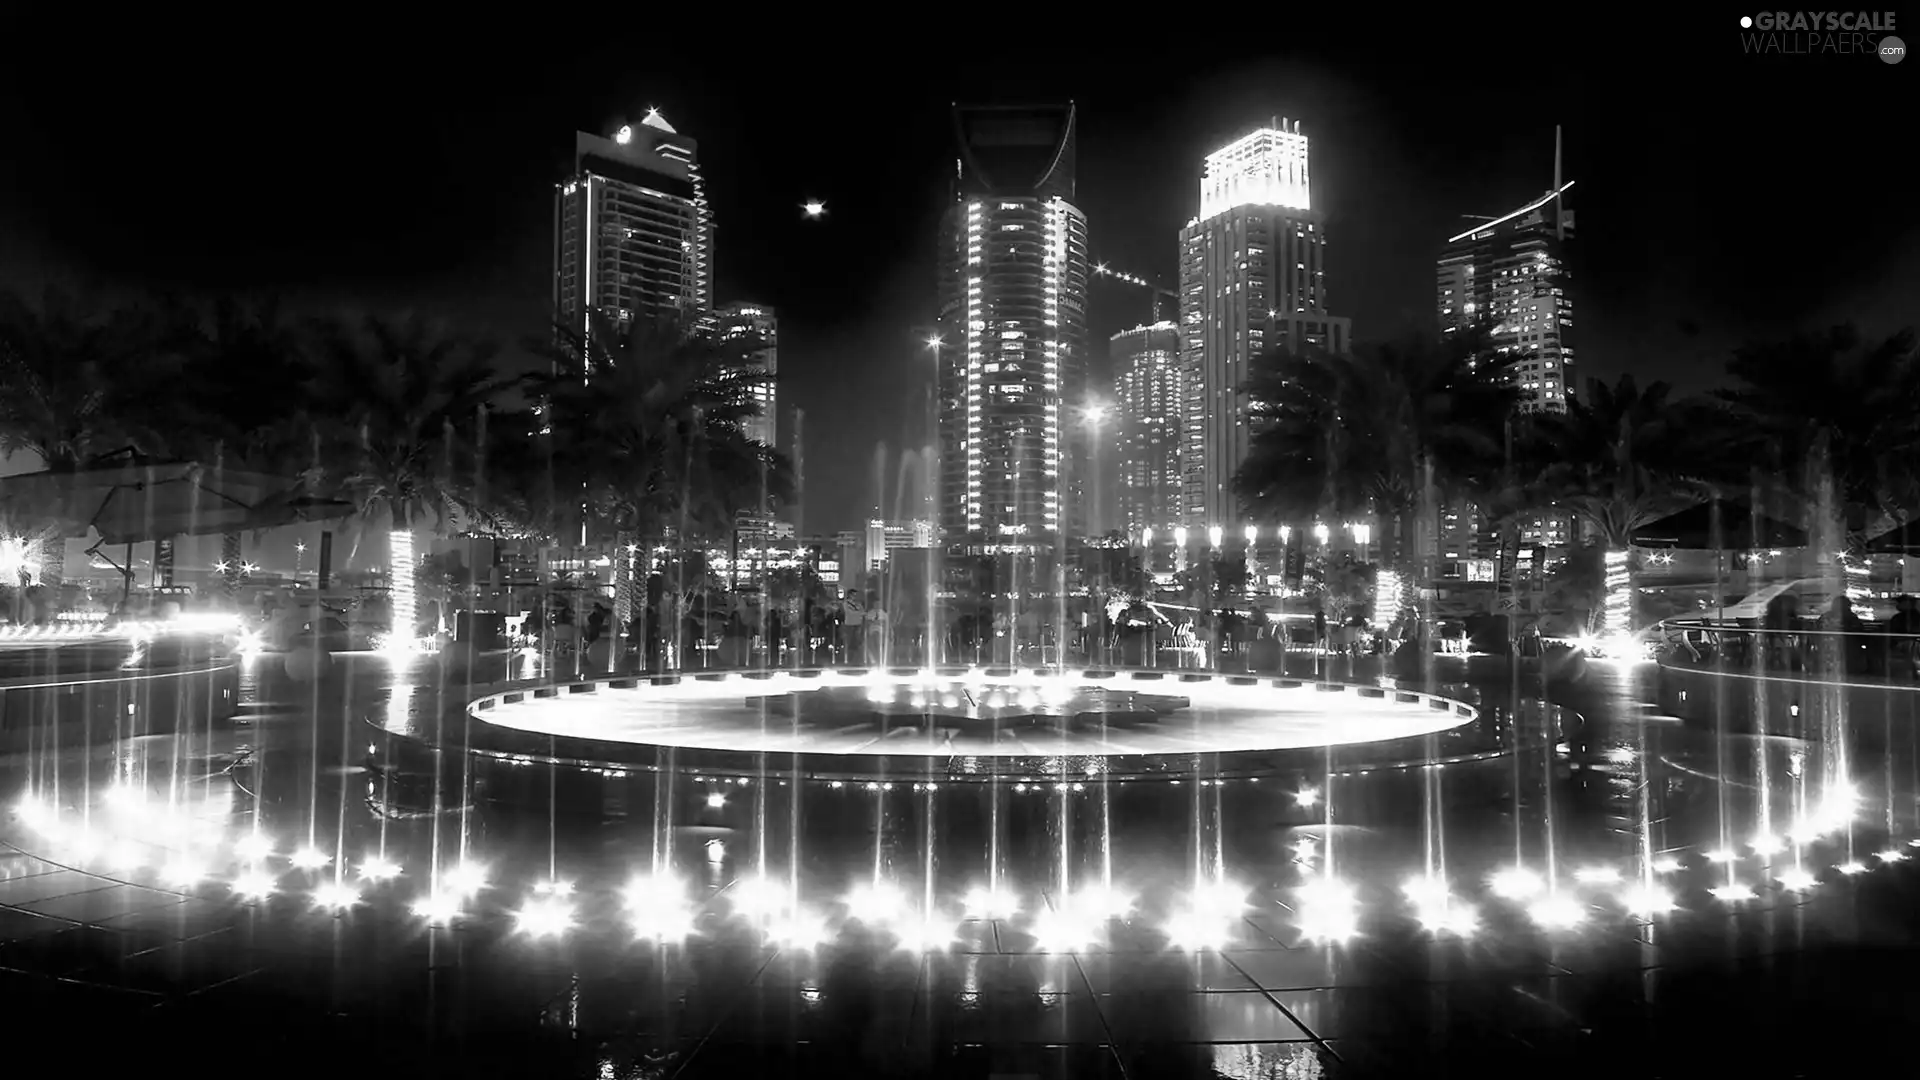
1013	315
1512	275
1252	279
758	323
633	238
1149	410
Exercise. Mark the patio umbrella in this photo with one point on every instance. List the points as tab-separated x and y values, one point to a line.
1902	539
1739	527
138	502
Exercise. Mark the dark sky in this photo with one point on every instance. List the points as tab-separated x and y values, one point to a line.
1720	196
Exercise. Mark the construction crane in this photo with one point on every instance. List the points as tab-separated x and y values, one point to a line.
1103	270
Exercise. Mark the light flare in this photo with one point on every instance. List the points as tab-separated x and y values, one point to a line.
464	879
1328	910
1732	892
1647	901
1557	912
309	858
544	915
1797	880
337	896
379	868
1516	883
1597	875
254	885
439	908
983	902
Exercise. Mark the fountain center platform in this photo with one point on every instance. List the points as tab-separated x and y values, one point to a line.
961	722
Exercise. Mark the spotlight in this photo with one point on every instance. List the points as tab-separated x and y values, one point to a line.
926	936
1516	883
309	858
1767	844
1327	910
336	896
1666	864
1556	912
1797	880
1647	901
801	931
987	903
1189	929
876	903
254	847
814	209
1891	855
1597	875
1722	855
716	801
544	916
1732	893
760	898
438	908
1852	868
253	885
379	868
465	878
1059	930
1306	796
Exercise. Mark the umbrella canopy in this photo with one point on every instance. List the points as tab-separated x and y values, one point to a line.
1736	528
1903	539
134	503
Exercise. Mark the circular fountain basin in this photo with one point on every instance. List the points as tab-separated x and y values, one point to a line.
956	724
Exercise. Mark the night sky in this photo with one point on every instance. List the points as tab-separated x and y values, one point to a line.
1720	197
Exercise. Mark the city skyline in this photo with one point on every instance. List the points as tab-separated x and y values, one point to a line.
1393	175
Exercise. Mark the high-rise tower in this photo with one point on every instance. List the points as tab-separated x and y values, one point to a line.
1149	403
632	234
1013	290
1252	279
1512	274
757	321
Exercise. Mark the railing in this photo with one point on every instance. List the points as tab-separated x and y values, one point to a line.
1801	651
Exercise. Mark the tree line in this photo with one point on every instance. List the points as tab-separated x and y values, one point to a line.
1829	418
631	430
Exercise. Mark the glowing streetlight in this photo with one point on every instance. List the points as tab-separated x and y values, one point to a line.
934	341
1214	535
814	209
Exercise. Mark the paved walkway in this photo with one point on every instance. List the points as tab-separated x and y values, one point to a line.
1810	981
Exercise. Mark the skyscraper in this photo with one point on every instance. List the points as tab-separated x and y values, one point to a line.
740	319
1013	290
1252	279
632	234
1149	405
1511	272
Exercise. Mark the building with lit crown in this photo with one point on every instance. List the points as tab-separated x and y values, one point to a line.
633	238
1252	279
1013	310
1511	274
758	322
1149	409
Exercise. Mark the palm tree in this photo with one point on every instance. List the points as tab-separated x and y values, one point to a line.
397	407
1835	406
650	422
78	384
654	420
1388	432
1619	458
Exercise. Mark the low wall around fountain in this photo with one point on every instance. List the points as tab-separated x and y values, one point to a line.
79	698
1786	704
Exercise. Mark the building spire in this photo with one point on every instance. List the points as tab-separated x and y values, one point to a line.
1559	210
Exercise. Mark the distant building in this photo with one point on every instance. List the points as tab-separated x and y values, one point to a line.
1252	279
1149	407
1013	289
1512	274
633	238
868	549
758	322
